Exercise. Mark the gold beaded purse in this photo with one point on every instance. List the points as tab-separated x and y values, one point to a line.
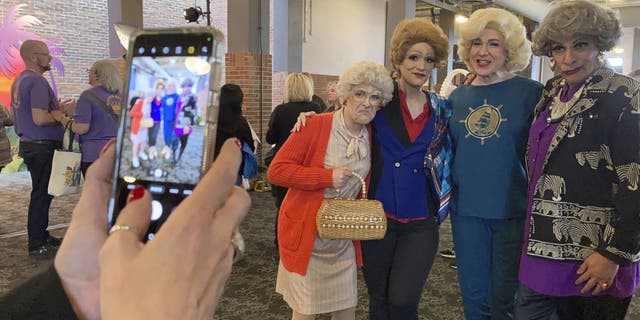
352	219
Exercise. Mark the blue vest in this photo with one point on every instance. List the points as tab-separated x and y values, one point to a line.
402	188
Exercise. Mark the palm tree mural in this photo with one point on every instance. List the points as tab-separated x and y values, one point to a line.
14	31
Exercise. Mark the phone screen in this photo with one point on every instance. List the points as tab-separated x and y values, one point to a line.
167	125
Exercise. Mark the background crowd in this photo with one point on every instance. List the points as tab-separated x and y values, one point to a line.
541	182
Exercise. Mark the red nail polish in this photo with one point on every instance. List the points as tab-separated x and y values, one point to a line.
136	193
238	143
106	146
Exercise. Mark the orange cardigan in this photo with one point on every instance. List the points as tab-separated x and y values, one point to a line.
299	165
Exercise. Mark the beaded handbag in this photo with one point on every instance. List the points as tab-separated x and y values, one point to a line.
352	219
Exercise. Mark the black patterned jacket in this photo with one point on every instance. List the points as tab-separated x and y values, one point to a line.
587	198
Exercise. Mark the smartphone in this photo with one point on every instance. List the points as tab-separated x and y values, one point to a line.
169	117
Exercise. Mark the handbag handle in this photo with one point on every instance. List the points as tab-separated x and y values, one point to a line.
364	186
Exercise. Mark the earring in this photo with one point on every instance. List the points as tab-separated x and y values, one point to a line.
552	63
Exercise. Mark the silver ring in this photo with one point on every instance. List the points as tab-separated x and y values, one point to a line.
121	227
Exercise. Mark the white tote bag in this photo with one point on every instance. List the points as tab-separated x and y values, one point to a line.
65	171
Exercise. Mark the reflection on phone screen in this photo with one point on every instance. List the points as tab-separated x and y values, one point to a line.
165	123
165	120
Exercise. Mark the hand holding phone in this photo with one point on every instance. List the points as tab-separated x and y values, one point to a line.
76	263
167	134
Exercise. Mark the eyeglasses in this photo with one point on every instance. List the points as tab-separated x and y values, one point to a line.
361	96
43	53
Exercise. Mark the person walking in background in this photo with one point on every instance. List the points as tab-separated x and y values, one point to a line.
317	275
6	120
156	107
169	104
298	91
580	258
95	119
488	128
334	100
231	122
35	109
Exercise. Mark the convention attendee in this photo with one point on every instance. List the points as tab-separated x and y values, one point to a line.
231	122
581	250
95	120
317	275
156	109
297	94
315	98
169	104
6	120
334	101
488	128
410	137
35	109
185	119
103	271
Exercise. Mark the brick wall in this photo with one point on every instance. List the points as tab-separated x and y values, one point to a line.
81	30
243	69
278	88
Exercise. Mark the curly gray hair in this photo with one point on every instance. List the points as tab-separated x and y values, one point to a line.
577	19
366	72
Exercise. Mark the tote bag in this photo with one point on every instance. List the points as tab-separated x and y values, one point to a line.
65	171
250	168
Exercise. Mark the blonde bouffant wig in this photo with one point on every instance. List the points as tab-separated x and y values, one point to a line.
411	31
517	46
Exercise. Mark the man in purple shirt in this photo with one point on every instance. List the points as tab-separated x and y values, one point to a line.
35	109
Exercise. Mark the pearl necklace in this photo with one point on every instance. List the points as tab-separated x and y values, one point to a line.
558	108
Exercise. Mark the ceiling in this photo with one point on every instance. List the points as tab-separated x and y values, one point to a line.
629	9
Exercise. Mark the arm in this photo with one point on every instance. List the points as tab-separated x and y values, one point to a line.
622	240
40	297
44	118
82	116
246	136
288	169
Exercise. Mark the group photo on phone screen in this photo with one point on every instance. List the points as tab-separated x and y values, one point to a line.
165	120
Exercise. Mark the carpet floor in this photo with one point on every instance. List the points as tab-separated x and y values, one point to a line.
250	293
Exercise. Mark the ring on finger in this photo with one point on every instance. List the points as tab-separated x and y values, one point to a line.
122	227
604	285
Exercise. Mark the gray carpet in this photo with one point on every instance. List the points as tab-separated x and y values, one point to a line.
250	293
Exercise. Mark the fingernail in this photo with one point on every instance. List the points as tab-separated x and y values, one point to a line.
136	193
238	143
106	146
